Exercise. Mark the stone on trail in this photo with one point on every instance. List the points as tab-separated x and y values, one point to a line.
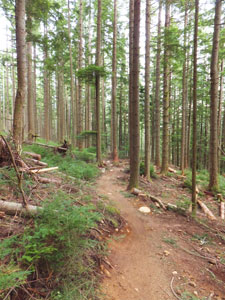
144	209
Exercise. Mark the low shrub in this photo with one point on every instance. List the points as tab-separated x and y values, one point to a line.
56	243
76	167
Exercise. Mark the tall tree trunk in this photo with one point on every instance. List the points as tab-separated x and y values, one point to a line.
184	92
134	105
219	123
157	91
35	90
80	98
13	77
194	134
131	32
30	98
121	117
166	95
72	103
147	92
61	105
46	91
88	86
21	70
214	74
114	85
98	63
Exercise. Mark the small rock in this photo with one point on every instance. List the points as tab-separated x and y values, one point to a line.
178	292
107	273
137	290
116	229
195	293
174	273
192	283
144	209
166	253
103	170
111	170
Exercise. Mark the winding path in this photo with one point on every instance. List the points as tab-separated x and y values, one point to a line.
140	272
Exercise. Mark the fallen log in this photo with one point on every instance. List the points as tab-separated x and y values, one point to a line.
172	170
12	208
48	180
157	200
48	146
33	155
44	170
206	210
175	208
152	198
37	162
135	191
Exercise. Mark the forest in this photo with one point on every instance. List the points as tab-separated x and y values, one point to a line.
94	92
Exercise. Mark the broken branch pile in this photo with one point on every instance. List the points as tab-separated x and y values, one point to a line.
32	166
169	206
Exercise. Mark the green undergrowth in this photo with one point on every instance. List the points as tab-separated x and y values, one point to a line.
8	178
202	180
54	245
55	253
190	296
152	170
78	166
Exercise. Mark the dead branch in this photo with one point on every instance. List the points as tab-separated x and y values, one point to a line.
43	170
171	286
19	176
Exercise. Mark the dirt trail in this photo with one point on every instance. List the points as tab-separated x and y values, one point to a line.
140	273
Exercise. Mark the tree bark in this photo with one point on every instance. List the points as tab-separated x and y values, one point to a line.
214	74
21	70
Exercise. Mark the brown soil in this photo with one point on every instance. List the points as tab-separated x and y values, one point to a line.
154	249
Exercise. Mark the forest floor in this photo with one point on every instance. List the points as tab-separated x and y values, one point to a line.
161	255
